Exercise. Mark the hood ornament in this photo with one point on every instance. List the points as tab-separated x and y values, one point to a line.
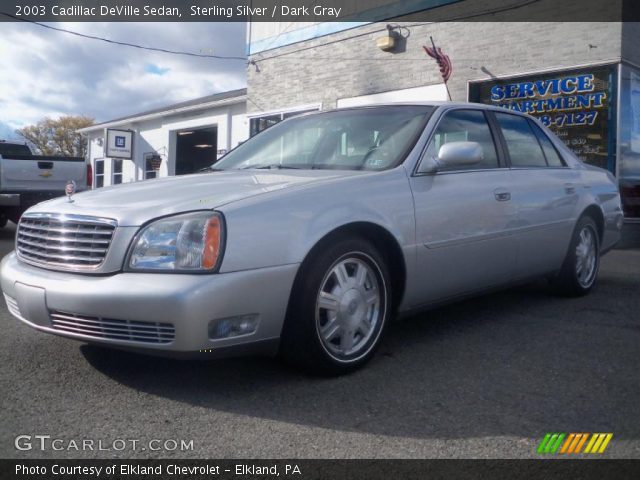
70	189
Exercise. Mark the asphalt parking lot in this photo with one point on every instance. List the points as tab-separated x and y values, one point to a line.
484	378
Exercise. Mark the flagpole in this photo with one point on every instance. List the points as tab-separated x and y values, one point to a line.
438	58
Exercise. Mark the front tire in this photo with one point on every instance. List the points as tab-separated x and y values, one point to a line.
339	308
580	268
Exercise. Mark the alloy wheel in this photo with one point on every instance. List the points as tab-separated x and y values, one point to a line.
349	307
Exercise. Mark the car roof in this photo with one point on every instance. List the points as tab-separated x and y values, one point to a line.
437	104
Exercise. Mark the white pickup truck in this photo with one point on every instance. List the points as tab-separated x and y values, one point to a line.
27	179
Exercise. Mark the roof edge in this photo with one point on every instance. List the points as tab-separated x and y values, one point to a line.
172	109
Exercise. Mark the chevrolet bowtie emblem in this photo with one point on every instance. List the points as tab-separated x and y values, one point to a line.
46	174
70	189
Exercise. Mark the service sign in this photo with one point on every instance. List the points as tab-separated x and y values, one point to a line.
119	144
575	105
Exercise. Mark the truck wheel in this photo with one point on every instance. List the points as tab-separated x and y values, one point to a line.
580	267
338	309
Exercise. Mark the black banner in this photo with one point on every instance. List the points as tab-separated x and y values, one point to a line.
319	10
319	469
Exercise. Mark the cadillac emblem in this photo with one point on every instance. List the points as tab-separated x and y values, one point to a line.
70	189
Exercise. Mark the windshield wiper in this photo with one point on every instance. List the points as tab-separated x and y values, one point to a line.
273	166
209	169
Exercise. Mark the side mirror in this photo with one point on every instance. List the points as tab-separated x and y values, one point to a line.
459	154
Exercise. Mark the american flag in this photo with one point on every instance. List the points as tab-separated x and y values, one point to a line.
446	68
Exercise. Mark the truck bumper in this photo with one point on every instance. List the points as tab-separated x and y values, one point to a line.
9	199
28	199
153	313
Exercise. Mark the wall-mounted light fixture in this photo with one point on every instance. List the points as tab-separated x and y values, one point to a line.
394	41
388	42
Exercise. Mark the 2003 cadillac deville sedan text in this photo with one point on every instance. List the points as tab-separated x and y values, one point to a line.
308	238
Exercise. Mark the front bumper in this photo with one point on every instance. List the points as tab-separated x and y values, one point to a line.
188	302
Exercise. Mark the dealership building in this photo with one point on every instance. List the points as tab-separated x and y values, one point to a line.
172	140
580	79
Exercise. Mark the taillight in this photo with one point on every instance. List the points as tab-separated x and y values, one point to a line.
89	175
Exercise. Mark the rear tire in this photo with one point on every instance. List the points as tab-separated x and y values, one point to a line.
339	308
580	267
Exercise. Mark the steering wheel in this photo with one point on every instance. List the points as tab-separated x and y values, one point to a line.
381	150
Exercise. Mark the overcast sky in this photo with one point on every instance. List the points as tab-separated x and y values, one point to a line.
48	73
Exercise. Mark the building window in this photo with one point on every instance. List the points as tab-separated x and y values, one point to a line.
98	176
577	105
629	162
262	122
149	170
117	172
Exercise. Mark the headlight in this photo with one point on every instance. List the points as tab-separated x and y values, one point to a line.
184	243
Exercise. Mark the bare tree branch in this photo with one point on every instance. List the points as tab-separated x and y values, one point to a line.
58	136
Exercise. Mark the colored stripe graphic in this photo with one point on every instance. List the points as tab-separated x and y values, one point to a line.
551	442
598	443
572	443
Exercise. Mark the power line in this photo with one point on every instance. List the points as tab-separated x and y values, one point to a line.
125	44
287	54
506	8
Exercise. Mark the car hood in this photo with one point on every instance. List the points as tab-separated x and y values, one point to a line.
135	203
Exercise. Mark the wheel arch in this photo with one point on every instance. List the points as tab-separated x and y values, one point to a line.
382	239
595	213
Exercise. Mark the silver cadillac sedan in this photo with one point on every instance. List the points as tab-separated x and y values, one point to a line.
310	237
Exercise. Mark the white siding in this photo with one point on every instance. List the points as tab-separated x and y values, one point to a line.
159	135
429	93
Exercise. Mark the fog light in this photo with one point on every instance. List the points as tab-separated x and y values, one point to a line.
233	326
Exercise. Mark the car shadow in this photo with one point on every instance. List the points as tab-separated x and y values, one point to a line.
8	231
520	362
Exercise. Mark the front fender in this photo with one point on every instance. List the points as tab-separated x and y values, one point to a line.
280	228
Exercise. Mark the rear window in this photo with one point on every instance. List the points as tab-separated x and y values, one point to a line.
8	149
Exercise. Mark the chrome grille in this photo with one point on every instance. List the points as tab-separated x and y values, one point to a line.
97	327
68	241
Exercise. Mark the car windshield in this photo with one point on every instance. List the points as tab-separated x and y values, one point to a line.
373	138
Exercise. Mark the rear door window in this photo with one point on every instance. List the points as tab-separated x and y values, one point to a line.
550	152
522	144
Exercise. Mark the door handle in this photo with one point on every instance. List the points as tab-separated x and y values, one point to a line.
45	165
502	195
569	188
